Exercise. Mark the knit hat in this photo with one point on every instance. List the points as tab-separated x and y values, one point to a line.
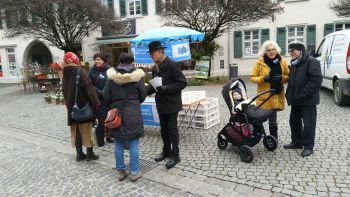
71	58
296	46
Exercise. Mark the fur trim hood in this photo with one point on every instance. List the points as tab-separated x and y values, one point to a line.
127	77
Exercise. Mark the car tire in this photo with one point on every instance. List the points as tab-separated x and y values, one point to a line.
339	97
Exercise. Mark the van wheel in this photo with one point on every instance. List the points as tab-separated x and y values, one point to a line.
339	97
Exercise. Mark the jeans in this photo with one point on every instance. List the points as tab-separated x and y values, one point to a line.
119	146
303	124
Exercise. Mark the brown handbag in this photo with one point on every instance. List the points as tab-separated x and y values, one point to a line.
113	119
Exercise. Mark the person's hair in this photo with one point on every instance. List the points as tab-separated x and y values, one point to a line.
100	55
267	44
126	58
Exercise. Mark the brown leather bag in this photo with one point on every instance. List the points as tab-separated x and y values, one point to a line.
113	119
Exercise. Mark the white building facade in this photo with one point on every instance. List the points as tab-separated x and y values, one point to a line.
304	20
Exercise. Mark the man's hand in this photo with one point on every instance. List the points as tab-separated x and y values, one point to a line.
161	89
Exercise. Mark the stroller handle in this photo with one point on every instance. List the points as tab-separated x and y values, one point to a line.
272	91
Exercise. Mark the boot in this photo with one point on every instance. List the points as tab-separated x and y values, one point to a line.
90	155
273	131
80	154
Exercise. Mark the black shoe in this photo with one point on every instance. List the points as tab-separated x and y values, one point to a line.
292	146
80	156
172	162
90	155
161	157
306	152
109	140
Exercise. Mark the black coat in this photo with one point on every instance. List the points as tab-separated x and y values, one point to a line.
172	77
304	82
125	90
98	77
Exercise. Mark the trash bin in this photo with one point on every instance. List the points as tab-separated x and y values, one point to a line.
233	71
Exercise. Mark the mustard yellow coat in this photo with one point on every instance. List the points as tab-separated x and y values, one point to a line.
260	70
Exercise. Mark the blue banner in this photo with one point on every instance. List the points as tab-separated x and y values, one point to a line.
176	50
150	114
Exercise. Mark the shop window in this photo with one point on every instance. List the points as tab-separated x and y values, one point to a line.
251	42
296	33
11	56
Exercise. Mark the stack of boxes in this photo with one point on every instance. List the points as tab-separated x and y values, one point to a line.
205	116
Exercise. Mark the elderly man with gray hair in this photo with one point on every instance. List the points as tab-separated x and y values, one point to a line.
303	96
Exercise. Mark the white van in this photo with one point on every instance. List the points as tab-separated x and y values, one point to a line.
334	56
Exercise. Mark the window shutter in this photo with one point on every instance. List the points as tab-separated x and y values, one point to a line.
122	6
281	39
328	28
144	7
237	44
311	37
158	6
265	35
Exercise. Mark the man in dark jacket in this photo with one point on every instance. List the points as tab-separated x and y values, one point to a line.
168	101
303	95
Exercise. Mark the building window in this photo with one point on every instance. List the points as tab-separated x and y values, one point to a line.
296	33
251	42
342	26
222	64
134	7
11	56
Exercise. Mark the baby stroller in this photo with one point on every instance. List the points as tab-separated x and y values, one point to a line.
245	128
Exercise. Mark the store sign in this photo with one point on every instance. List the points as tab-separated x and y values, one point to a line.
176	50
202	68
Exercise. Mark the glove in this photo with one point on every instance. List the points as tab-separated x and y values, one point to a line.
161	89
277	78
267	79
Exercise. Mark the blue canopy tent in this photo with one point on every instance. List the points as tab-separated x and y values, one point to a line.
176	39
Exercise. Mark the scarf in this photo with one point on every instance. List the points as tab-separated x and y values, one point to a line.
275	69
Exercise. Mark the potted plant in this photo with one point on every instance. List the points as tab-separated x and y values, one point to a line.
47	98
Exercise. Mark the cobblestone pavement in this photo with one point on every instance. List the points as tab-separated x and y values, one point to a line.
278	173
28	169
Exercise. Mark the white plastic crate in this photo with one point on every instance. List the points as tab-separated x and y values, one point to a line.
199	118
205	125
190	97
201	111
207	103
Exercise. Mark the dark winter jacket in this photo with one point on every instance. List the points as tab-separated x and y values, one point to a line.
173	79
125	90
86	91
304	82
98	76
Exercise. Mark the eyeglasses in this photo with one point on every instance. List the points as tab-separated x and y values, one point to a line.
271	50
291	50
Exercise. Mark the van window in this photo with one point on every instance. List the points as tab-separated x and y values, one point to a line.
320	49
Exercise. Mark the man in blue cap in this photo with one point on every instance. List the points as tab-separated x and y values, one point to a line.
168	101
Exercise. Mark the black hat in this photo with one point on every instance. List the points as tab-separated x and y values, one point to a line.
297	46
155	45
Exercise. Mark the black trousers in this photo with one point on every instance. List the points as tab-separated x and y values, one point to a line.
170	133
302	122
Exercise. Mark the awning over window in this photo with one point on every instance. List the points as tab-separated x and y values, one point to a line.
114	40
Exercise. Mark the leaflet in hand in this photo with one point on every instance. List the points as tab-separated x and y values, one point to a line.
156	82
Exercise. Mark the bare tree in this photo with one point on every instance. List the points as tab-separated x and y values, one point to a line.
341	7
63	23
215	17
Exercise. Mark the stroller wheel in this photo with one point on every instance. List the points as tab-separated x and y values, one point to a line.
222	143
246	153
270	142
